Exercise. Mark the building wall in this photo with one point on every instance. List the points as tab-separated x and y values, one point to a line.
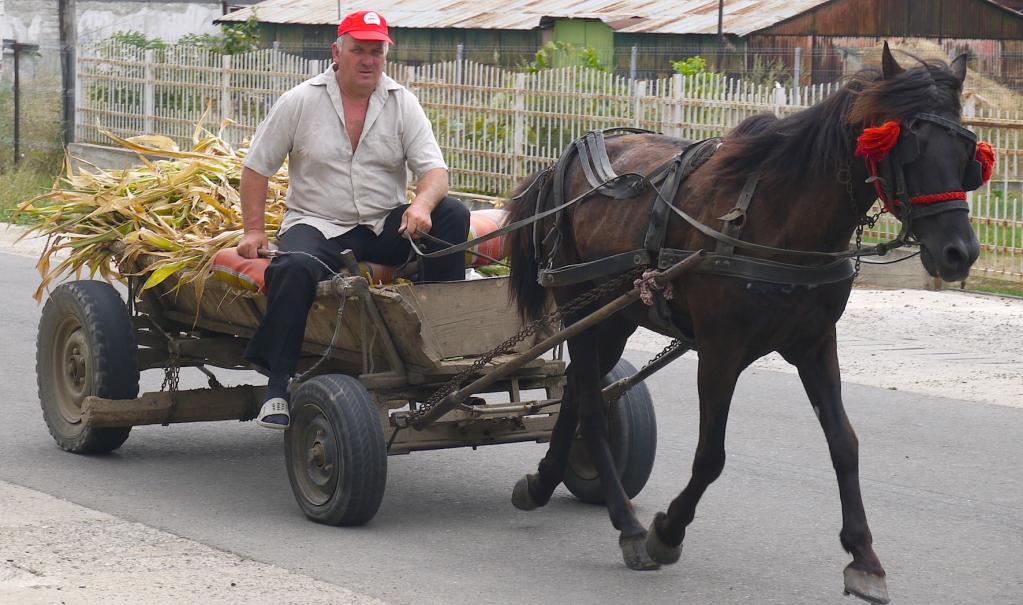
905	18
586	33
655	52
35	21
413	46
32	22
98	19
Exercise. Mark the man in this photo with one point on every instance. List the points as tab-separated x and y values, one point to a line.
348	134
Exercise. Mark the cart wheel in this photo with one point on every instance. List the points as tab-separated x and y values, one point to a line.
633	440
335	451
86	346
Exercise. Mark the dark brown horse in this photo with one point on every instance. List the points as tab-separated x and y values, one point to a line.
811	195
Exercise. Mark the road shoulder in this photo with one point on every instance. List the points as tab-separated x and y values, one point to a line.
54	551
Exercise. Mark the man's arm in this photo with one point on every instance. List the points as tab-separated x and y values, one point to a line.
430	190
253	200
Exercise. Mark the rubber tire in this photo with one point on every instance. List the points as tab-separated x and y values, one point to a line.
111	364
350	413
633	441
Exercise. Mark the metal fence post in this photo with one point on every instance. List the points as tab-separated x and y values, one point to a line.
797	76
148	92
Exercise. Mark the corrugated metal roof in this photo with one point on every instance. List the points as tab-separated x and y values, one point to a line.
741	17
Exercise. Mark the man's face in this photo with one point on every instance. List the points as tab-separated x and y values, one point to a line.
360	63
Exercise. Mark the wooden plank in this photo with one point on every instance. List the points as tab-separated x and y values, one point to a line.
461	319
198	405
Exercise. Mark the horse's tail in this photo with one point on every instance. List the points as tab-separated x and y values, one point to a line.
529	296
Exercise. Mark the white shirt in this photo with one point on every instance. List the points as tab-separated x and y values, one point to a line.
329	187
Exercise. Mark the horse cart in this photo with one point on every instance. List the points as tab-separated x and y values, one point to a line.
381	371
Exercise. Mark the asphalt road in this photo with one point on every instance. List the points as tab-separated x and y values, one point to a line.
942	480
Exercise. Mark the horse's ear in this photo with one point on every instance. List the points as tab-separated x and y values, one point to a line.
958	66
889	66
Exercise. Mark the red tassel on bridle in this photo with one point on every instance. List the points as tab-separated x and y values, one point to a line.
986	156
875	143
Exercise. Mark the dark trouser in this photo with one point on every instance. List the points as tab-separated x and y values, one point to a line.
291	278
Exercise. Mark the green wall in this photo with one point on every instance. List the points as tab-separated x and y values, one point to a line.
587	32
414	46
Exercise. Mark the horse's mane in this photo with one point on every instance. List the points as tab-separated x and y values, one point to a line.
816	140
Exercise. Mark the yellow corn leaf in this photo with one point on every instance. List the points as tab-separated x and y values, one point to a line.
159	275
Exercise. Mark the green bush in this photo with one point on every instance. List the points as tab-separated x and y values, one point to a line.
233	39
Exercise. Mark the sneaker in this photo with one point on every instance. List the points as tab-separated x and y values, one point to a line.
274	414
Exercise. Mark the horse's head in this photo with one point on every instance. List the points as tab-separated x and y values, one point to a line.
921	159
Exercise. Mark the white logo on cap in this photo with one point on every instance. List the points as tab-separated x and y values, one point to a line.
371	18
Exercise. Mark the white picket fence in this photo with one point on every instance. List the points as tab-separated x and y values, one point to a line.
495	126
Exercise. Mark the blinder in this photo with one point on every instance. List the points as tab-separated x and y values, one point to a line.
972	178
908	148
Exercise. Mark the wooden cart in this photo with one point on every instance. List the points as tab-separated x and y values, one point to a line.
392	349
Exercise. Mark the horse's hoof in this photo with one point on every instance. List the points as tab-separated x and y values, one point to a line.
520	495
659	551
634	553
865	585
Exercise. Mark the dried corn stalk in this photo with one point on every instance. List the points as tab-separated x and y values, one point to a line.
177	213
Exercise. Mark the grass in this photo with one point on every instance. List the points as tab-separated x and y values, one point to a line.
990	285
21	183
39	141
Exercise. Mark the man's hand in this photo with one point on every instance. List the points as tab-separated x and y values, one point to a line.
415	221
251	243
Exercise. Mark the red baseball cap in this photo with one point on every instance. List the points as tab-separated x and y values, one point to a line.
365	25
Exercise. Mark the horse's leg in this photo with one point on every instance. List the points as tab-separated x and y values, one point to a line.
819	371
587	356
716	378
535	490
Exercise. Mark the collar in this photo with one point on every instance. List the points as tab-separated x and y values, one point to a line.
385	85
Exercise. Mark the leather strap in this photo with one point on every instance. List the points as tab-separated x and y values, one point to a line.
593	270
674	173
596	165
735	219
758	269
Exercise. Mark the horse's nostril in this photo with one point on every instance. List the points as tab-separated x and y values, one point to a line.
955	256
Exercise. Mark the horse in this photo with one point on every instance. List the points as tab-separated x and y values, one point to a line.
892	132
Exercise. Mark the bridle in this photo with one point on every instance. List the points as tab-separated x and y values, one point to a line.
888	148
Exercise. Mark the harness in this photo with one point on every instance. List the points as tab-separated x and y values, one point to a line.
665	180
886	170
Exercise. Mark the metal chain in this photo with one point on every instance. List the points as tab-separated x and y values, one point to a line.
580	302
672	346
171	373
844	177
615	395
